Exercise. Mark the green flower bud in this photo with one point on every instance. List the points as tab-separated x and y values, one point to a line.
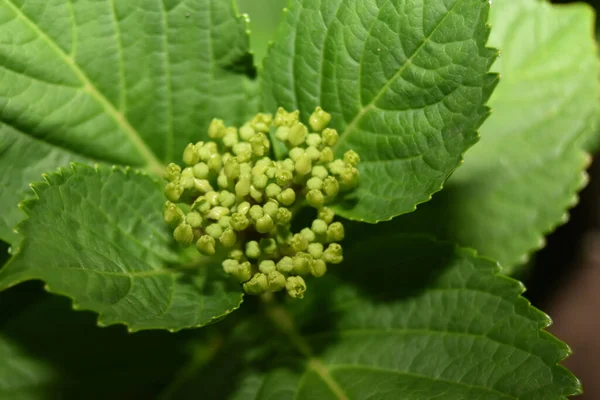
314	140
276	280
271	172
326	155
214	230
224	222
299	242
244	272
214	162
287	197
246	132
318	268
273	190
252	249
284	216
282	133
270	208
320	172
206	245
260	181
265	224
295	287
335	232
295	153
303	164
308	234
284	177
330	137
267	266
315	250
333	254
216	129
268	246
314	183
237	255
226	198
256	212
319	119
242	188
230	266
337	167
172	214
313	153
349	177
283	118
191	155
351	157
259	284
187	182
260	144
288	165
216	213
200	170
201	205
331	187
285	265
212	197
239	222
326	214
172	172
202	185
232	169
222	181
256	194
319	227
302	263
204	151
315	198
297	134
194	219
262	122
243	207
228	238
184	234
173	191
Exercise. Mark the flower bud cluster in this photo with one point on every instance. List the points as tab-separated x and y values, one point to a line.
232	195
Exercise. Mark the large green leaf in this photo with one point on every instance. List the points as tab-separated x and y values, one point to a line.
264	19
406	82
428	321
97	235
518	182
125	82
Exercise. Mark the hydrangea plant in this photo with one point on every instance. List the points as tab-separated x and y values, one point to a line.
208	223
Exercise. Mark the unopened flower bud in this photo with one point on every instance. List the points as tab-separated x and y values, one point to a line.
242	188
335	232
282	133
288	165
216	129
284	177
315	250
259	284
284	216
228	238
313	153
331	187
194	219
349	177
314	183
224	222
264	224
227	199
319	227
246	132
314	140
295	287
232	168
285	265
184	234
333	254
243	207
287	197
256	212
256	194
315	198
206	245
230	266
262	122
260	144
200	170
284	118
172	214
260	181
302	263
239	222
326	155
215	162
330	137
303	164
299	242
222	181
273	190
191	155
202	185
297	134
237	255
320	172
318	268
326	214
212	197
319	119
172	172
337	166
295	153
276	280
270	208
252	249
268	246
267	266
214	230
216	213
351	157
308	234
173	191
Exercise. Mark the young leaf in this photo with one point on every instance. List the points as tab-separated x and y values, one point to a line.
122	82
429	321
405	81
518	182
97	235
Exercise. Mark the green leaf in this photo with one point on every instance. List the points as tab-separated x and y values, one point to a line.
97	235
428	321
518	182
264	19
116	82
50	352
406	83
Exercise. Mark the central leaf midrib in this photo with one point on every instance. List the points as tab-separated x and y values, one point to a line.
152	161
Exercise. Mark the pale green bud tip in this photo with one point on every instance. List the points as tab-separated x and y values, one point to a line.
206	245
259	284
303	164
264	224
333	254
239	222
331	187
214	230
319	119
319	226
351	157
315	250
308	234
194	219
228	238
284	216
330	137
273	190
284	118
326	214
216	129
173	191
262	122
172	214
315	198
201	170
276	281
295	287
287	197
271	208
285	265
172	172
268	246
267	266
252	249
335	232
191	155
184	234
297	134
318	268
